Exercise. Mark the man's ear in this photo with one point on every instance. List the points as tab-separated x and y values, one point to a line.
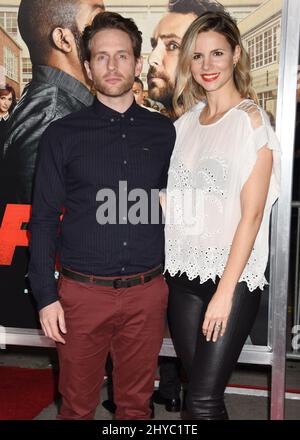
63	39
88	70
138	66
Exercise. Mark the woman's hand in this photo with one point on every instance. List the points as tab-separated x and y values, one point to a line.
217	314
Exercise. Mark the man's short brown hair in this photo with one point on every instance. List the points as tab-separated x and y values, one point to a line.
112	20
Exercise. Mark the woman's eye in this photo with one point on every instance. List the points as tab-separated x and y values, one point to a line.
218	53
196	56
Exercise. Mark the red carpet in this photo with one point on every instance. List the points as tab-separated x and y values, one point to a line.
24	392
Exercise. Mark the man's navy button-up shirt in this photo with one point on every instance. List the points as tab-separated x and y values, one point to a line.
97	167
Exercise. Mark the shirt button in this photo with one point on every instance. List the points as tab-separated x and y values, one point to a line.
123	269
125	243
125	162
122	116
112	120
123	135
132	119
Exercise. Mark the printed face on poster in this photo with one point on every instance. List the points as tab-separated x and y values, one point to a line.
163	24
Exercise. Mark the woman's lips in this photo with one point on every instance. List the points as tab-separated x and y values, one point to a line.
209	77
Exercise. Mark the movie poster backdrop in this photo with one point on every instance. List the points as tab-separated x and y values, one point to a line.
155	19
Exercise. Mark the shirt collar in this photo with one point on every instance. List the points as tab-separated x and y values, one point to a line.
64	81
107	112
4	117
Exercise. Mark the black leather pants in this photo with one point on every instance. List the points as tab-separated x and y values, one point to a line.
208	364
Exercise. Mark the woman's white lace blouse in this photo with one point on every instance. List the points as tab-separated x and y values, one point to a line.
209	166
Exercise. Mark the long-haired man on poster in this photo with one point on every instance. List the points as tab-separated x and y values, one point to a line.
166	40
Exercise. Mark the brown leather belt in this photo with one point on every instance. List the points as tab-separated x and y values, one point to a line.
116	283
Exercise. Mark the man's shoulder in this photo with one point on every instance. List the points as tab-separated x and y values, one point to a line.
71	120
156	117
75	115
43	101
34	112
36	99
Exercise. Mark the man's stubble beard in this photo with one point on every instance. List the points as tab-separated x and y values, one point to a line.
164	94
114	92
80	54
78	41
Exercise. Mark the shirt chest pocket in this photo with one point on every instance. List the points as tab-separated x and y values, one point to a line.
147	165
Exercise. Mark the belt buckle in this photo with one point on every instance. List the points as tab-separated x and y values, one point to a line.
117	283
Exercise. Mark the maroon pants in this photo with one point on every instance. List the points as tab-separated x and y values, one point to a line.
128	323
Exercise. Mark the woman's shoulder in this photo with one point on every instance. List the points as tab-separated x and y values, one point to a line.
189	115
255	114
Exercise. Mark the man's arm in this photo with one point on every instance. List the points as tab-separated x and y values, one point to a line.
48	200
31	118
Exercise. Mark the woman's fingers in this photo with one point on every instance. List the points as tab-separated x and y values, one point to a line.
223	328
208	329
212	329
217	330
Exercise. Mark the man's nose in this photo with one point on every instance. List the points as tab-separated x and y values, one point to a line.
156	56
112	63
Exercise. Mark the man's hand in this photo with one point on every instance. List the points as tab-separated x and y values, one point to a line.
52	319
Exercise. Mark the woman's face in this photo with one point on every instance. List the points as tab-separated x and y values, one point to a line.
5	102
213	61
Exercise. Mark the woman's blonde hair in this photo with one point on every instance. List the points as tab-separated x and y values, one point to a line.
187	91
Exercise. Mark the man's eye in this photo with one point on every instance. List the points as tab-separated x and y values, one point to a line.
153	43
172	46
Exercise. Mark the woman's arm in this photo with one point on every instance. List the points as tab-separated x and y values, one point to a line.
253	199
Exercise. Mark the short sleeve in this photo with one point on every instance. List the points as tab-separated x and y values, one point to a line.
262	135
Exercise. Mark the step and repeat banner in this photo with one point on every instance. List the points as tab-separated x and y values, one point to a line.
163	25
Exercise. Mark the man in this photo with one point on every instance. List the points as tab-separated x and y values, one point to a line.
138	91
166	42
112	296
51	29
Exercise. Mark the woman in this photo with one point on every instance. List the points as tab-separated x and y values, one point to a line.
7	104
223	181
